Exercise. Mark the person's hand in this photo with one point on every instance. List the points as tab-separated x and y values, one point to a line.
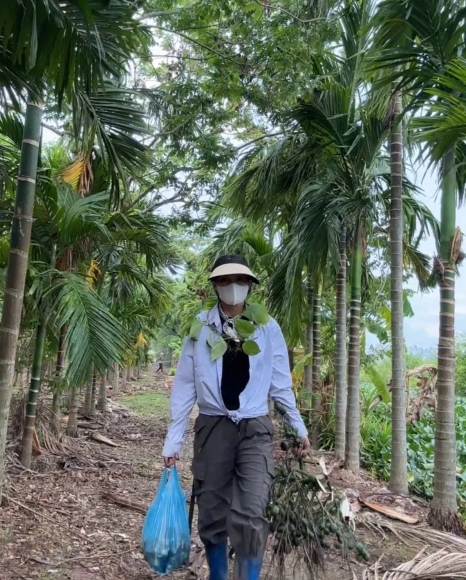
170	461
304	447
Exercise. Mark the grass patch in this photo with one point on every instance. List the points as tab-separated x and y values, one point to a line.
148	404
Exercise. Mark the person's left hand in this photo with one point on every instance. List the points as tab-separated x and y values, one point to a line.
304	447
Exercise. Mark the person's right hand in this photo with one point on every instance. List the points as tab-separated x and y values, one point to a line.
170	461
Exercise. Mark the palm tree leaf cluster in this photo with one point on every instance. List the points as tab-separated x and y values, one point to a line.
86	41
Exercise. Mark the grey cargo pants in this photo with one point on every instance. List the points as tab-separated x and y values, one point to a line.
233	471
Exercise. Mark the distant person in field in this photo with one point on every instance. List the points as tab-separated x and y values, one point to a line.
160	369
233	465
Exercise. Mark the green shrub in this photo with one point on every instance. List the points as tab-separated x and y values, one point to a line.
460	373
376	445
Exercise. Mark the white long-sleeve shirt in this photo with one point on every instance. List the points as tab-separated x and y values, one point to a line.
198	378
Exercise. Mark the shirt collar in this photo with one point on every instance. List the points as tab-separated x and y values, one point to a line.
213	317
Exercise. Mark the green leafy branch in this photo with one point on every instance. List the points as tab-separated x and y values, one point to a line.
254	315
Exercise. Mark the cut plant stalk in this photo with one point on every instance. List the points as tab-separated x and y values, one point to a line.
33	396
399	461
17	266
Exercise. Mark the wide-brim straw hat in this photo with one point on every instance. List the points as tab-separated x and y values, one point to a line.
231	265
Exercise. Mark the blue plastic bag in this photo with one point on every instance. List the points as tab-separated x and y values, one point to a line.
166	540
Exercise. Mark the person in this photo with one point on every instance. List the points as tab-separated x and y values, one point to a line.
160	361
233	463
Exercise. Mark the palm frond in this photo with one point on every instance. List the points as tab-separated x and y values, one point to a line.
15	82
414	41
442	564
147	233
267	179
112	121
287	292
126	281
73	43
93	335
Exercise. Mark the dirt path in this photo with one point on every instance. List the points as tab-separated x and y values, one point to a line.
59	525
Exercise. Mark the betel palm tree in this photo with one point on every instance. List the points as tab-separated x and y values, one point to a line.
63	222
130	247
399	460
73	45
354	185
420	41
265	189
332	124
66	229
289	167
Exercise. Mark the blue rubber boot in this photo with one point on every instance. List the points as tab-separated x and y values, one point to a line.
217	558
247	568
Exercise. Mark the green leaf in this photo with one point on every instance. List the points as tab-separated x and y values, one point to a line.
257	313
408	311
244	328
196	329
218	349
251	348
211	340
303	362
379	383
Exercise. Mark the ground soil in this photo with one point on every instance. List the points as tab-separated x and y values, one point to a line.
57	522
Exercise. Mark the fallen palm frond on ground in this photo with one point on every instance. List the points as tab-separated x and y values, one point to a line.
414	534
443	564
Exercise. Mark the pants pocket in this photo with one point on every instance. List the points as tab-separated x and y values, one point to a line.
266	424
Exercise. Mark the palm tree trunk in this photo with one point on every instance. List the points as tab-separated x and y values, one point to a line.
102	402
354	357
316	413
123	379
399	461
57	394
444	509
88	397
307	379
33	396
341	387
93	393
72	427
129	373
116	380
17	267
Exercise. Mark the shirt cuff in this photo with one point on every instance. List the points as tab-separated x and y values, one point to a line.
301	430
170	449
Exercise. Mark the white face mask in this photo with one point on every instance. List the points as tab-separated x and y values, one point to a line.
233	294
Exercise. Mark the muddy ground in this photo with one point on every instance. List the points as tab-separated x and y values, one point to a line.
60	520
